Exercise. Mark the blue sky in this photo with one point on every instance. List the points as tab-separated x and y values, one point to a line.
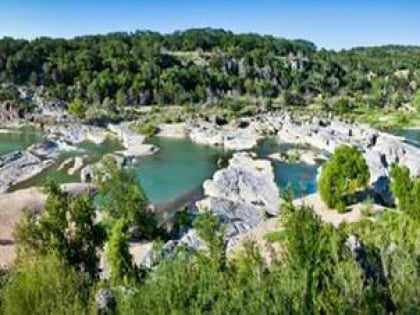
330	23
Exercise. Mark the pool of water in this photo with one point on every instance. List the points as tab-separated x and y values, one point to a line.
18	139
412	136
299	178
180	167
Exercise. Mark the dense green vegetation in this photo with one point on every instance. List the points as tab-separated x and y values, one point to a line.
101	74
368	267
342	176
318	270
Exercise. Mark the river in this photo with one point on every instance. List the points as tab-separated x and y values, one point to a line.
180	167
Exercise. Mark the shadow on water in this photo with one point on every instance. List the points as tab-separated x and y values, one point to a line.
298	177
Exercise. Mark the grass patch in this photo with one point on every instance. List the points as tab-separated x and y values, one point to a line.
387	119
146	128
274	237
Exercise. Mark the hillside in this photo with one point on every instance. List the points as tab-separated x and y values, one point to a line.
207	66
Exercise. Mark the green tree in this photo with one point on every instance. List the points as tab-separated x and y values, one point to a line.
343	175
211	231
66	228
416	100
406	190
123	198
118	255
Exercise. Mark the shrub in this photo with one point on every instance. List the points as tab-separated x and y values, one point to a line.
77	108
342	176
44	286
148	129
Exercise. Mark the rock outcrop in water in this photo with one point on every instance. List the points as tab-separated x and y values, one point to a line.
74	133
132	141
19	166
233	136
242	195
246	181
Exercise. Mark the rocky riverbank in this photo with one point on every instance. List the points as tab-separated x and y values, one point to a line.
242	196
20	166
379	149
236	136
133	142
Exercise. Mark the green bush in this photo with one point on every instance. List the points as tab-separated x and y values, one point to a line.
406	190
147	128
343	175
77	108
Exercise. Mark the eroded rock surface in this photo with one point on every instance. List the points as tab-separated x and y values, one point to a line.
132	141
242	196
379	149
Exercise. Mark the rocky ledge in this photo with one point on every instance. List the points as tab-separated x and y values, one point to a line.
76	133
132	141
379	149
238	135
20	166
242	195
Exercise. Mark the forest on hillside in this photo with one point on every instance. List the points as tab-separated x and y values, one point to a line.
210	66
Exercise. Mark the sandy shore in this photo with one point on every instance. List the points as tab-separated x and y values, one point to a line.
353	214
12	208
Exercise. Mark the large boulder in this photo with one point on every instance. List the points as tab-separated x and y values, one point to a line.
20	166
247	181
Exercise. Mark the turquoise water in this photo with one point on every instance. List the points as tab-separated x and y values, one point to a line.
300	178
93	152
18	139
180	167
412	136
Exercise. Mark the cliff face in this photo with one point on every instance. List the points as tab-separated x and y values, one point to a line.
21	105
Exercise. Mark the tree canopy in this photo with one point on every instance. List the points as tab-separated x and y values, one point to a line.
207	65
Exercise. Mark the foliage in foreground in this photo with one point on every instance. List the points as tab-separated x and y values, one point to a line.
42	286
67	229
316	271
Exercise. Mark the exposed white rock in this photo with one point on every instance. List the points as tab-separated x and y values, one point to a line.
78	164
76	133
242	195
65	164
19	166
246	180
177	131
228	136
379	149
132	141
